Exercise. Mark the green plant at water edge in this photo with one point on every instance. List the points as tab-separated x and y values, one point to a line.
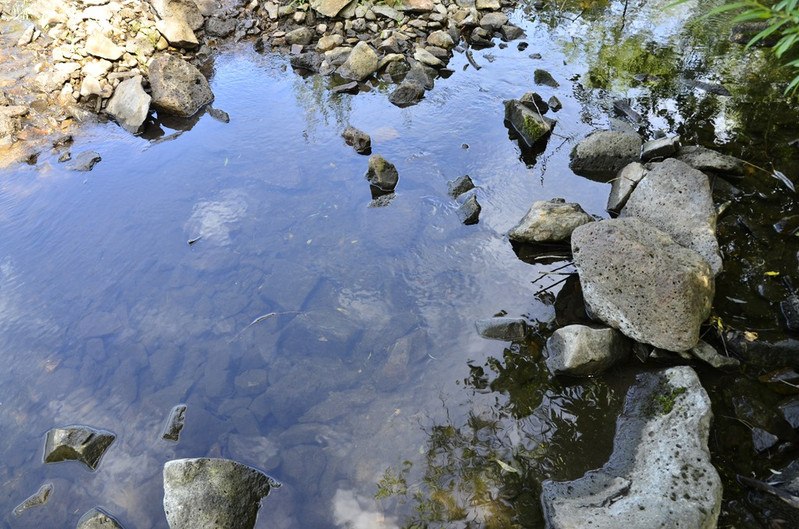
783	19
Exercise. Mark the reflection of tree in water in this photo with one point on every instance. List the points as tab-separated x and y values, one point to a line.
318	101
485	470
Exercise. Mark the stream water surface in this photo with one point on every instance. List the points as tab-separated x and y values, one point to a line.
366	391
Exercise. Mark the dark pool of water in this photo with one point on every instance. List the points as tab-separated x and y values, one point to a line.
369	379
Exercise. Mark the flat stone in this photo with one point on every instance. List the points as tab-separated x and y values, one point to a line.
507	329
637	279
382	173
96	518
660	148
623	185
417	6
174	423
487	4
579	350
84	161
213	493
660	473
602	154
676	198
330	8
425	57
530	125
96	68
78	443
493	21
386	11
708	354
550	221
101	46
130	104
705	159
177	32
220	27
469	211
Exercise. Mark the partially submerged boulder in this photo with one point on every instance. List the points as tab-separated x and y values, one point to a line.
96	518
660	473
213	493
178	88
530	125
359	140
469	211
676	198
382	173
502	328
459	186
637	279
550	221
580	350
77	443
130	104
603	153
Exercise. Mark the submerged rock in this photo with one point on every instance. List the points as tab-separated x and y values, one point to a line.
382	173
174	423
213	493
676	198
637	279
623	185
359	140
508	329
550	221
602	154
130	104
97	519
529	124
580	350
543	77
78	443
790	311
469	211
660	473
178	88
708	354
40	498
84	161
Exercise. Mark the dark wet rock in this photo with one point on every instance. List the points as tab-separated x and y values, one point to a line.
786	225
660	148
459	186
705	159
174	423
493	21
421	74
360	64
301	35
543	77
602	154
220	27
84	161
96	518
708	354
790	411
763	353
359	140
130	104
407	93
77	443
579	350
569	303
219	115
637	279
784	381
550	221
790	311
623	108
469	211
530	125
554	103
510	32
763	440
508	329
710	88
213	493
381	173
534	102
481	38
178	88
309	60
676	198
660	473
623	185
39	498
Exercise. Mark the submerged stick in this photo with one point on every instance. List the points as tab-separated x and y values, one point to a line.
471	60
261	318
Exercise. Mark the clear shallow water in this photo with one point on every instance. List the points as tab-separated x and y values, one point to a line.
109	317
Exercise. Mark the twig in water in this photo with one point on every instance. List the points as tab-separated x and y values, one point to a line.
471	60
556	283
261	318
552	272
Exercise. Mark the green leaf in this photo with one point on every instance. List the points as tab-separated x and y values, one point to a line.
785	44
751	15
506	467
765	33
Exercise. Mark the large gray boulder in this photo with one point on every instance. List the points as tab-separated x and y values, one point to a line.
580	350
550	221
676	198
77	443
659	475
178	88
637	279
130	104
213	493
96	518
530	125
361	63
602	154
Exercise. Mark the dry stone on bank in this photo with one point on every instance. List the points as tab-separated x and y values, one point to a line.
676	199
178	88
361	63
550	221
580	350
660	473
602	154
637	279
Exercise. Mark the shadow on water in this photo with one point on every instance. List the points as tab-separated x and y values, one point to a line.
331	342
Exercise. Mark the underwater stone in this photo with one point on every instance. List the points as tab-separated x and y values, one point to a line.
174	423
660	473
96	518
39	498
508	329
78	443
